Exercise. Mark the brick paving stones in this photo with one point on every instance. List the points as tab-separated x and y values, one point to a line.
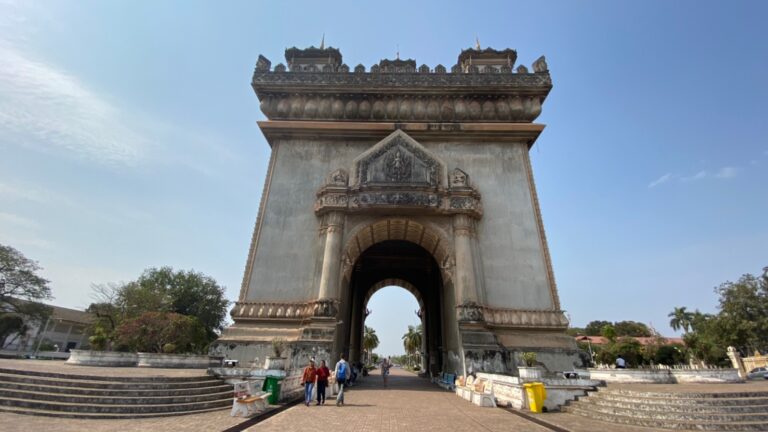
210	422
409	404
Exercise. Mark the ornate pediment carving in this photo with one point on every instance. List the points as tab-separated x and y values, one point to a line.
399	173
396	161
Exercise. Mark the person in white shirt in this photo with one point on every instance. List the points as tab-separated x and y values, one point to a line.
620	363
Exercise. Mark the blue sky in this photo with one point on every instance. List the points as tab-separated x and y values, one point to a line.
128	136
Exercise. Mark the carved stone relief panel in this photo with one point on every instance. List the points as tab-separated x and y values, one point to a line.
398	162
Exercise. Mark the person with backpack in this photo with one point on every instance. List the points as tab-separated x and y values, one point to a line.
341	372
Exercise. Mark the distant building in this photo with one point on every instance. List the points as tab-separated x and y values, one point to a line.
66	329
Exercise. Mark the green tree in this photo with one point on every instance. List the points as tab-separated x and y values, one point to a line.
670	355
631	328
630	350
159	332
608	332
370	341
162	289
595	328
743	317
680	318
21	291
412	340
575	331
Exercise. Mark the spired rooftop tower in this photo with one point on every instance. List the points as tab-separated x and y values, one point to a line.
401	175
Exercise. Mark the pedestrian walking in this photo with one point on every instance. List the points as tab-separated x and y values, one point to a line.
385	365
341	372
322	382
308	378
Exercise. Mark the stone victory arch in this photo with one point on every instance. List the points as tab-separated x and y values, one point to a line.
406	176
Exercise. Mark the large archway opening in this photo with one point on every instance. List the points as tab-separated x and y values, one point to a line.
392	312
408	265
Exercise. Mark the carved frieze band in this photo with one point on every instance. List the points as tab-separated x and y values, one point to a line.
519	318
382	107
441	202
284	310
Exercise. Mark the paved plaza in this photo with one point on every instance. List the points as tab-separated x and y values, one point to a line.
409	404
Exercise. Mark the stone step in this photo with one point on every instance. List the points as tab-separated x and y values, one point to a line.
101	416
673	400
217	387
684	395
113	409
199	378
641	404
82	383
716	416
178	398
668	423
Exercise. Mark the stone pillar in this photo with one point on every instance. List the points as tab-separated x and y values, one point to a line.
466	290
737	362
329	278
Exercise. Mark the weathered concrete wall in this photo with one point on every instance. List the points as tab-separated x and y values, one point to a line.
102	358
512	269
509	261
665	376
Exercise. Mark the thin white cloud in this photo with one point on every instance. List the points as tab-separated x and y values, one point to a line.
661	180
14	220
46	108
698	176
727	172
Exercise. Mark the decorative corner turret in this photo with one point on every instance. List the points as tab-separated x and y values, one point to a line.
487	60
313	59
397	66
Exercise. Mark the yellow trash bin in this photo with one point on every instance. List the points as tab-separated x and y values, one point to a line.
536	395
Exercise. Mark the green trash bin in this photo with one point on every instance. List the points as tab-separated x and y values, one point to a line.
272	385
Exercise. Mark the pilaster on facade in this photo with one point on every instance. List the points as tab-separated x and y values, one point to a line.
329	277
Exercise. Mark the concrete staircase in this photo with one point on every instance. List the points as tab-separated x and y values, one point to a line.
101	397
743	411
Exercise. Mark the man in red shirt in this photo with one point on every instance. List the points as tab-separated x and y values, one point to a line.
309	377
322	382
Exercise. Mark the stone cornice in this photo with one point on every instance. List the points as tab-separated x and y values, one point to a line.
482	95
497	132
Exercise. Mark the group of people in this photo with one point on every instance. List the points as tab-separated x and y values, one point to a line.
317	378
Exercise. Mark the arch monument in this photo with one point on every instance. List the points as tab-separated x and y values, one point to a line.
412	176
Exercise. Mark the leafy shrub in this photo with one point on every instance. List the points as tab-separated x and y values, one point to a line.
670	355
152	331
529	358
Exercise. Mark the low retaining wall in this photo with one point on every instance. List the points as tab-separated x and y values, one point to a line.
102	358
181	361
509	390
665	376
123	359
291	385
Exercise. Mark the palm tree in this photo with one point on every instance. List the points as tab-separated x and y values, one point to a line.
681	319
370	341
412	340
